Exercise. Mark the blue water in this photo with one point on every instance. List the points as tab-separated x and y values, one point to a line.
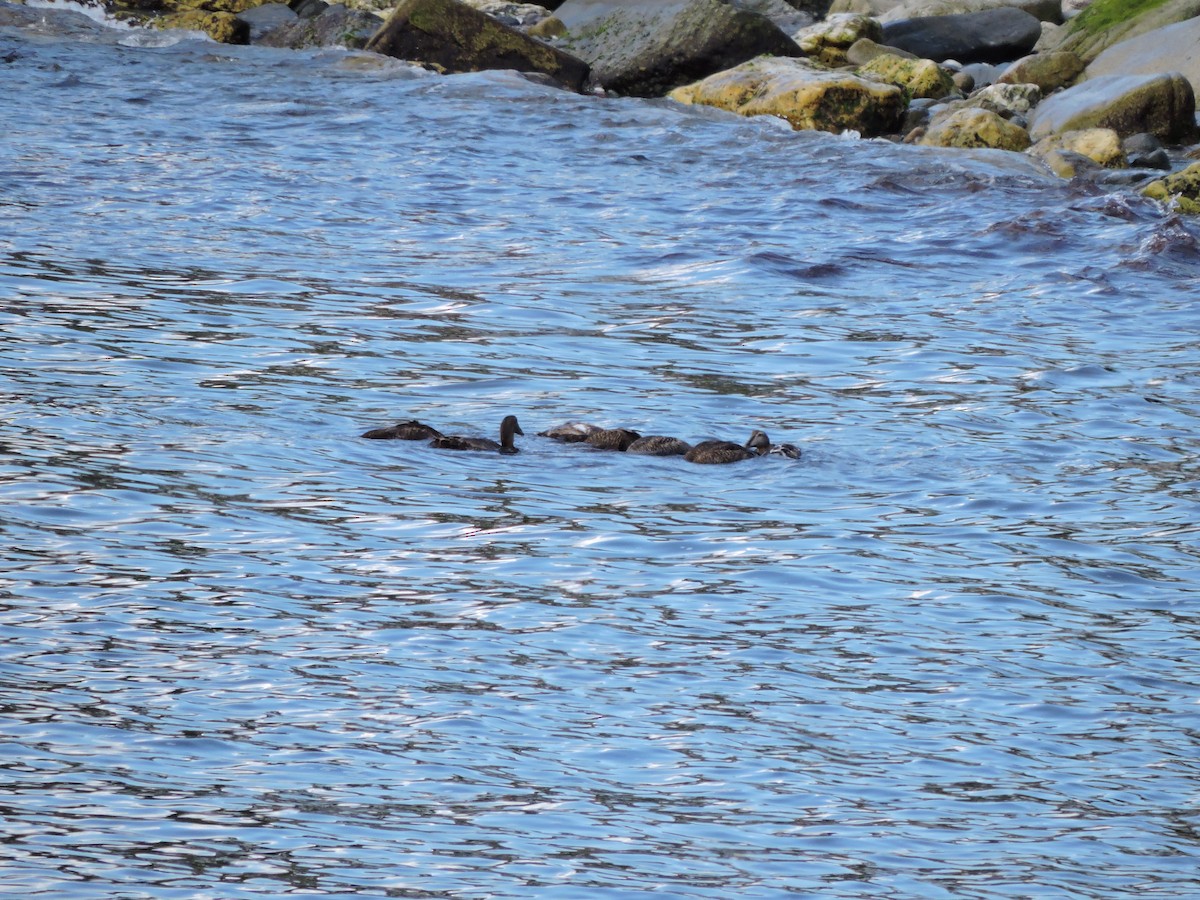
953	651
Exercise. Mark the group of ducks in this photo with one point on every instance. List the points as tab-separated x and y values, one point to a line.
621	439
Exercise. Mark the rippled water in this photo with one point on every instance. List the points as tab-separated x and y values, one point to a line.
951	652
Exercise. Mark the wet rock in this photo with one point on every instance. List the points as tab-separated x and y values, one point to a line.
1145	151
806	97
452	37
1043	10
262	19
1006	100
917	77
336	26
1101	145
975	128
221	26
1163	105
1049	71
788	17
1180	190
828	42
1174	48
646	49
994	35
515	15
864	50
306	9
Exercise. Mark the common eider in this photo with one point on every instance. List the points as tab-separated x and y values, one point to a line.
570	433
659	445
412	430
719	452
508	428
612	438
761	444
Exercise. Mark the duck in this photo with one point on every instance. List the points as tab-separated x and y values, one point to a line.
412	430
570	433
612	438
659	445
761	444
715	451
508	428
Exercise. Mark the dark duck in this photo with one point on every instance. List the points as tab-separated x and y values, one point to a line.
508	428
659	445
761	444
721	451
412	430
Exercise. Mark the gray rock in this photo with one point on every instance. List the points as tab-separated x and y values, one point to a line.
262	19
1163	105
1175	48
648	48
452	37
991	36
337	26
864	50
1044	10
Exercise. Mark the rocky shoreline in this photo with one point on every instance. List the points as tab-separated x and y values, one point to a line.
1102	90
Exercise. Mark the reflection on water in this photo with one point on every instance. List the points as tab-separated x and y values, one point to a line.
949	652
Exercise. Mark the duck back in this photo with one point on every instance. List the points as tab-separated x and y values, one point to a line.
659	445
612	438
412	430
716	452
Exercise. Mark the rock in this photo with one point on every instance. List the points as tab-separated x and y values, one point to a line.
515	15
1006	100
827	42
549	27
864	50
1049	71
648	48
1072	8
975	128
225	27
306	9
1163	105
262	19
994	35
917	77
1069	164
1101	145
452	37
788	17
1180	190
964	82
808	98
1108	22
1174	48
873	8
336	26
1043	10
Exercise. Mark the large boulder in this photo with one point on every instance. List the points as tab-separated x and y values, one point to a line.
1044	10
971	128
1049	71
1108	22
335	26
648	48
452	37
1174	48
990	36
918	77
808	98
1163	105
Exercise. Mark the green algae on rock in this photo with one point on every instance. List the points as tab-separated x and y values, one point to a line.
1180	190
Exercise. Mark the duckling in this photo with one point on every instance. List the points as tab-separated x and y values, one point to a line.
508	428
761	444
612	438
659	445
570	433
412	430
